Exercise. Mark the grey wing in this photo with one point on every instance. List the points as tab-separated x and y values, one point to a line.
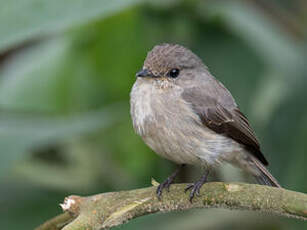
219	112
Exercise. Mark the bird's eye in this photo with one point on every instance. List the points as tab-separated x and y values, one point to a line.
174	73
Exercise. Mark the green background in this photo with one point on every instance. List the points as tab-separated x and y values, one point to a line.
66	70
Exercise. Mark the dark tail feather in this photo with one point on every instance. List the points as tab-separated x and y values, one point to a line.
265	177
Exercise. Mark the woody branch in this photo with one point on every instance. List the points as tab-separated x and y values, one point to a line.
106	210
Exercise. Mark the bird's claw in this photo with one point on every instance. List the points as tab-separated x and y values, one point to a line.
195	189
196	186
165	185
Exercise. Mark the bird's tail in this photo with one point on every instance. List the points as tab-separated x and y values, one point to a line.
264	177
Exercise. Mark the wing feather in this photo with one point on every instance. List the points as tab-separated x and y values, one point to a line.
227	120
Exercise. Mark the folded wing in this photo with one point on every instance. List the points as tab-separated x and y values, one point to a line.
223	118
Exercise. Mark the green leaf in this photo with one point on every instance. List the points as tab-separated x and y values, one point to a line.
23	20
282	55
266	38
29	82
19	133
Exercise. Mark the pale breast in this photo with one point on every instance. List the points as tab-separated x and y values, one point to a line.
168	125
140	106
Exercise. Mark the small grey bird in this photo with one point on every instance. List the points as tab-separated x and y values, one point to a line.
187	116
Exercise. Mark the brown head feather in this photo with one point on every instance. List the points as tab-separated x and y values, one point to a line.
164	57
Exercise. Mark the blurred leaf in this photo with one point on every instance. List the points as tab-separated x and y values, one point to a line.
272	91
82	70
80	166
49	77
23	20
27	204
283	56
34	70
266	38
78	173
18	133
298	163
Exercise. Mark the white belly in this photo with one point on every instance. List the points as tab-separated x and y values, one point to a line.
170	128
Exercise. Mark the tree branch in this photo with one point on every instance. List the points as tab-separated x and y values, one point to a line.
111	209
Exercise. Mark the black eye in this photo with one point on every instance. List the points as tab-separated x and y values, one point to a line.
174	73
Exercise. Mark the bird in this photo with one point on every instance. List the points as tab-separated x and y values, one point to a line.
184	114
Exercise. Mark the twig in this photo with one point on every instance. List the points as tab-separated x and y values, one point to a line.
107	210
56	223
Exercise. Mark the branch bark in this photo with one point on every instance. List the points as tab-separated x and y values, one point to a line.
107	210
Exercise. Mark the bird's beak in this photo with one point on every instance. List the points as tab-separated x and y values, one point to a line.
144	73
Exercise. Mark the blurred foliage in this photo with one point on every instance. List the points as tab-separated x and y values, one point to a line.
66	70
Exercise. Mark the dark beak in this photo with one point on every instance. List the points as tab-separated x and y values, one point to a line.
144	73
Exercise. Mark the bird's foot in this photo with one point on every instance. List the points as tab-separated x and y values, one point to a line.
167	183
195	188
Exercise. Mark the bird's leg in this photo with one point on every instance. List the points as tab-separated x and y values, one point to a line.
197	185
166	184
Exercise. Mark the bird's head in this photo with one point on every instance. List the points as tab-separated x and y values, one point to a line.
168	62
